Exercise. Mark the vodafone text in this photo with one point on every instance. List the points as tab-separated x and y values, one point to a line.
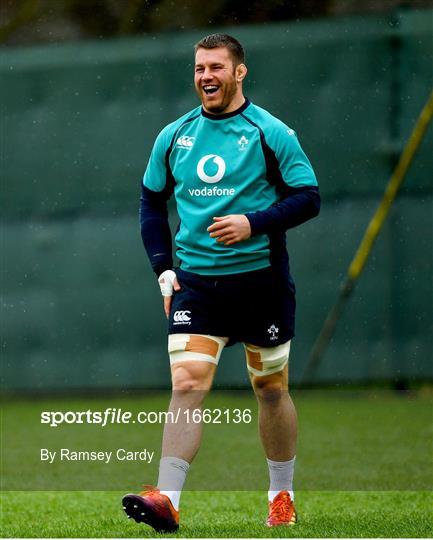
212	192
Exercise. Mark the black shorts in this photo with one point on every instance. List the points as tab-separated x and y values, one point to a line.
252	307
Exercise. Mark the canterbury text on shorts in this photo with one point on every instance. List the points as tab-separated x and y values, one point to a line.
255	307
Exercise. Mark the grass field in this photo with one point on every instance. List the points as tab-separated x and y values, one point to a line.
221	514
364	470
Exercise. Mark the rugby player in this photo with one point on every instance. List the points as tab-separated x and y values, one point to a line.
240	179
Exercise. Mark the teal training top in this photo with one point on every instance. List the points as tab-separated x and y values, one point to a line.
236	163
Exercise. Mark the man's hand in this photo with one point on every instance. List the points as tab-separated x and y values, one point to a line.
168	283
230	229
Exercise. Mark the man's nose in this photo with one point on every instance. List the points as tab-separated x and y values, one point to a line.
207	75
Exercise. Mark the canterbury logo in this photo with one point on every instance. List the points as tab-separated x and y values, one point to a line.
181	316
219	162
185	142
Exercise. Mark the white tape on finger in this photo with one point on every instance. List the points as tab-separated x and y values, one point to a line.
166	281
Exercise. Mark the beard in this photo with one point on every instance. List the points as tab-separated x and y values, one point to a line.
218	105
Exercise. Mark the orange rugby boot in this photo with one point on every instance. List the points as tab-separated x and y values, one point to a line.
152	508
281	511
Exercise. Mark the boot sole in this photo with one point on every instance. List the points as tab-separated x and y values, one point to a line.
142	511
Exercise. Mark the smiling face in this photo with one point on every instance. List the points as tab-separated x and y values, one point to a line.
217	81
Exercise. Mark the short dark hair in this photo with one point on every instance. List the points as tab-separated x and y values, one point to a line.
223	40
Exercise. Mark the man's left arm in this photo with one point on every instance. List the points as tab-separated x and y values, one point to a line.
300	205
295	182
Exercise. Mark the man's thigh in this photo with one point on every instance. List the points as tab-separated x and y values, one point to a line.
199	348
193	360
265	309
267	362
194	309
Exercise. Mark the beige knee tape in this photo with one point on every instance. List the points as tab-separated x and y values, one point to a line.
263	361
199	347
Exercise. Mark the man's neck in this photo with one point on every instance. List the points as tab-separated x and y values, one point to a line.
235	104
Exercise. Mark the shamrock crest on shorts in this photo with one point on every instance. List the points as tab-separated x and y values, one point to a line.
273	330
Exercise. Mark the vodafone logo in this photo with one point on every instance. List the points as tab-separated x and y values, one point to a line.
218	161
182	317
211	179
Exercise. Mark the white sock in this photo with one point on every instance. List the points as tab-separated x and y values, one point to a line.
172	475
281	478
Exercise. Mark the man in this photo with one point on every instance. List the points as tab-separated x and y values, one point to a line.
240	180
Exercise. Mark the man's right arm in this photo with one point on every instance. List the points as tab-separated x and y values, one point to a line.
155	229
156	189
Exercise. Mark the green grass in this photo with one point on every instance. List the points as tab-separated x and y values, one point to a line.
363	470
219	514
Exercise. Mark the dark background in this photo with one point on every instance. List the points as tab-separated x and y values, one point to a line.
48	21
86	87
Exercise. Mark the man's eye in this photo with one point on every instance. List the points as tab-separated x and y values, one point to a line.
197	70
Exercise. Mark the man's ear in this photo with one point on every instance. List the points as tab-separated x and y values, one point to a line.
241	72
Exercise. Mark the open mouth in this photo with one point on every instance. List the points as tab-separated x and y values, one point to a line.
210	89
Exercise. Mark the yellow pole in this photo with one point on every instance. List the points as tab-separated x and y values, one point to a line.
391	190
367	242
